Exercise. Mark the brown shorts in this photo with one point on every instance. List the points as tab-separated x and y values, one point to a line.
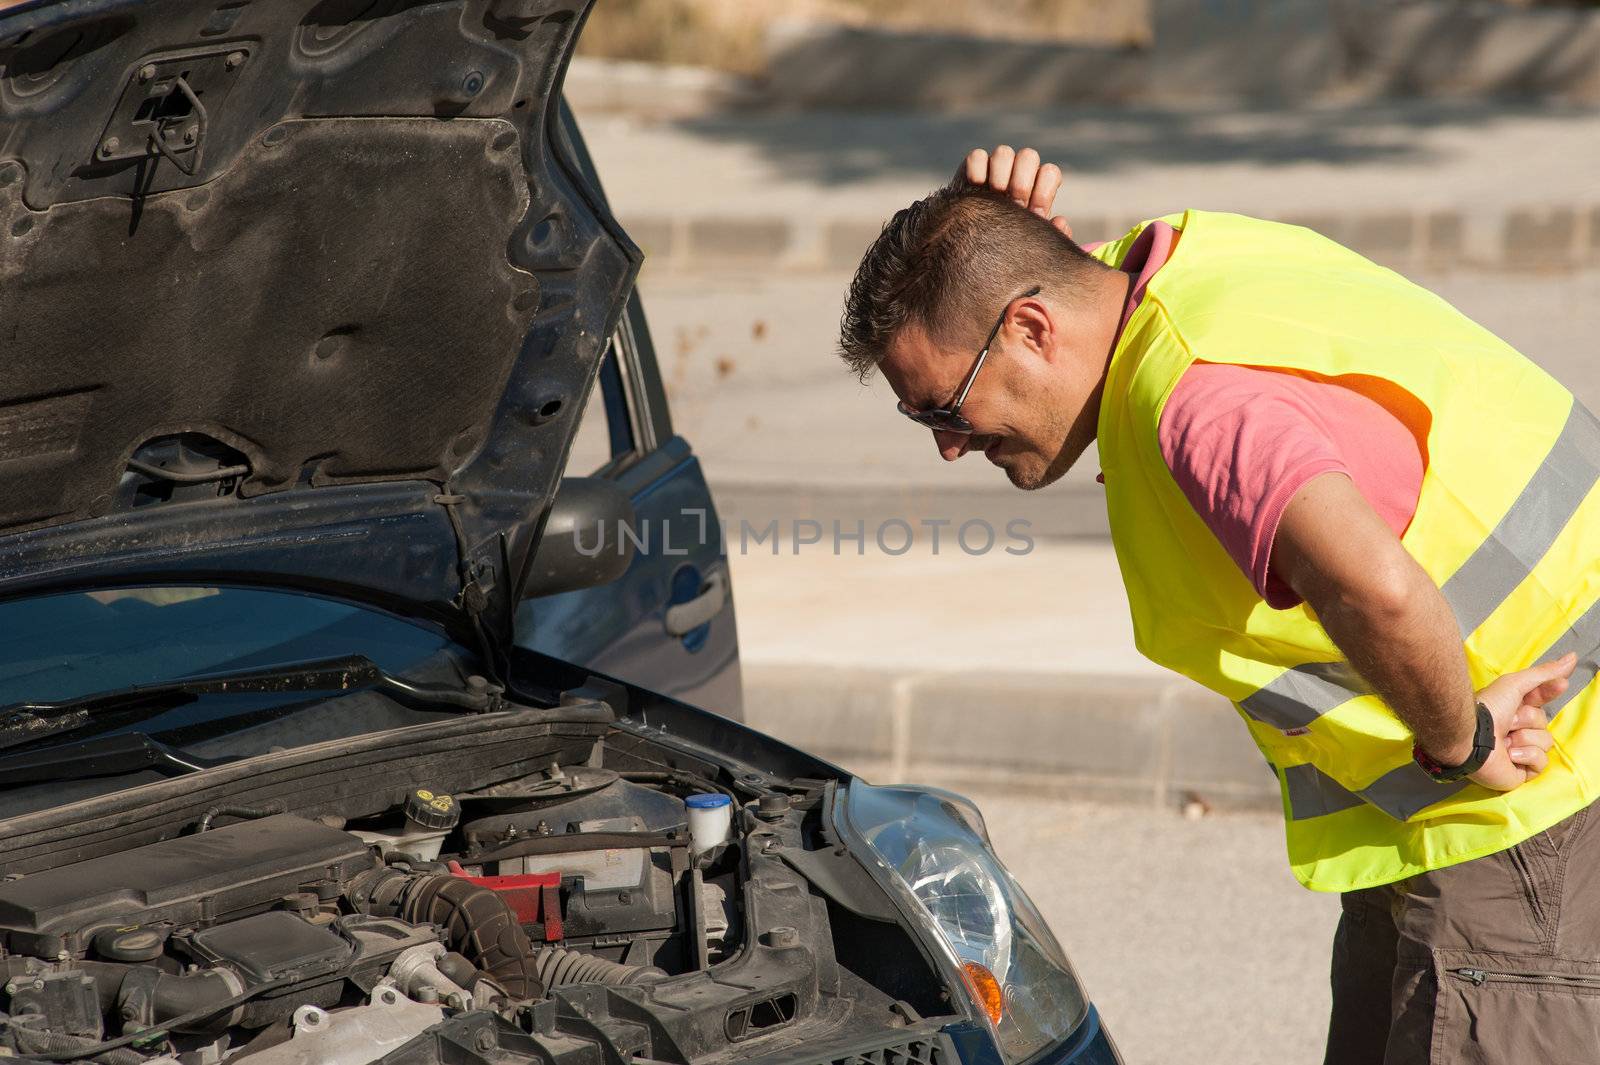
1491	962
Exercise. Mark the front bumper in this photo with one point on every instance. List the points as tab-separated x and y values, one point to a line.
1090	1044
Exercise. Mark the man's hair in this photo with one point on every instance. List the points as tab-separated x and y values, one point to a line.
949	263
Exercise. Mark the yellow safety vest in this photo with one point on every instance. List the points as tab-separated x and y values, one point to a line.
1507	524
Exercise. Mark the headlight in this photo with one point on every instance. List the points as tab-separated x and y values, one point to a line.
932	853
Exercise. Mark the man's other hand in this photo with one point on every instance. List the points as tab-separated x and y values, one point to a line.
1522	729
1019	175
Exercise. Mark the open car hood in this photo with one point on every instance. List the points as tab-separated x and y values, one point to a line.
302	292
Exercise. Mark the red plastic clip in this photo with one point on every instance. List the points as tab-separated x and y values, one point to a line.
527	894
552	912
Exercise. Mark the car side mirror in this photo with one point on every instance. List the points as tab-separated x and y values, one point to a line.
583	545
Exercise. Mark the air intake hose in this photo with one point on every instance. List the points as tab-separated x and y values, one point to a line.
481	926
148	996
558	967
477	923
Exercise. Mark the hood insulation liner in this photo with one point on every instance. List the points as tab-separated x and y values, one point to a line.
389	333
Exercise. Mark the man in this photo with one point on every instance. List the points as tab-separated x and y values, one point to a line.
1366	521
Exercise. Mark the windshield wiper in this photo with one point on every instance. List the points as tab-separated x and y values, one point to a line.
101	756
37	721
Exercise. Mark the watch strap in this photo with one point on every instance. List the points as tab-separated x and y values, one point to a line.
1483	744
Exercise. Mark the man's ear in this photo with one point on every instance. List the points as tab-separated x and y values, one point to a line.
1031	323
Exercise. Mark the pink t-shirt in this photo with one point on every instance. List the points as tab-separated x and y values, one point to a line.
1241	441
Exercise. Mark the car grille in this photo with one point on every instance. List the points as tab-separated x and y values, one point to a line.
930	1050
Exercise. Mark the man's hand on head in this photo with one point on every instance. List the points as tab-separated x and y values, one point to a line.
1018	175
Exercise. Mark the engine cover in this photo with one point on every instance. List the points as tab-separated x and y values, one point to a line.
195	880
270	946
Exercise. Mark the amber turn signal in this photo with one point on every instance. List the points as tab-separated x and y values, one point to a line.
985	989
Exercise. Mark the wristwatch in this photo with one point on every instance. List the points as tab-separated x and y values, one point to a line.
1483	743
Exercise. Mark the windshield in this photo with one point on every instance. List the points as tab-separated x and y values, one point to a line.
63	646
66	646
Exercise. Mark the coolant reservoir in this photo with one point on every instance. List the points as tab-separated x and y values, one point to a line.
430	815
710	819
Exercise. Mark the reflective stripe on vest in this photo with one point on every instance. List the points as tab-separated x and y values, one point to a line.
1552	496
1403	791
1298	696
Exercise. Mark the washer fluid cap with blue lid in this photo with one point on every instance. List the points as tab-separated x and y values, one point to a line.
710	820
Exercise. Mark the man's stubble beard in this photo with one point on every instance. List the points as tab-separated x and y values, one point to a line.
1064	461
1075	435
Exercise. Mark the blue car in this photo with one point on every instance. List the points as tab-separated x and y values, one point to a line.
369	682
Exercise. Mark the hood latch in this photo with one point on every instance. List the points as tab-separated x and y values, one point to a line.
166	109
192	135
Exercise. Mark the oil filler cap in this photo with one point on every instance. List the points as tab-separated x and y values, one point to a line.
131	944
432	809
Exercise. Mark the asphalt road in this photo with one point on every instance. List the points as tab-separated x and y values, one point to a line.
1193	939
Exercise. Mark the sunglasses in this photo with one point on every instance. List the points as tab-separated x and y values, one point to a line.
949	419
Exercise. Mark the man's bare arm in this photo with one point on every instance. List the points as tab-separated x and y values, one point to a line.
1388	617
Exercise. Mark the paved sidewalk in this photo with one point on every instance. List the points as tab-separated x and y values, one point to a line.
1419	184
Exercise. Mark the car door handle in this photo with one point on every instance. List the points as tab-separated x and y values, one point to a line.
684	618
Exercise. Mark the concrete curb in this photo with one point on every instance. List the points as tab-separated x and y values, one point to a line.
1156	739
1541	239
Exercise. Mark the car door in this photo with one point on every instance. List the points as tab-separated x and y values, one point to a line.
668	622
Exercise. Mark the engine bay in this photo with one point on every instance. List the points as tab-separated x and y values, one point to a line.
629	905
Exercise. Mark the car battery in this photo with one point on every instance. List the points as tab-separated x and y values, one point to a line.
618	889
